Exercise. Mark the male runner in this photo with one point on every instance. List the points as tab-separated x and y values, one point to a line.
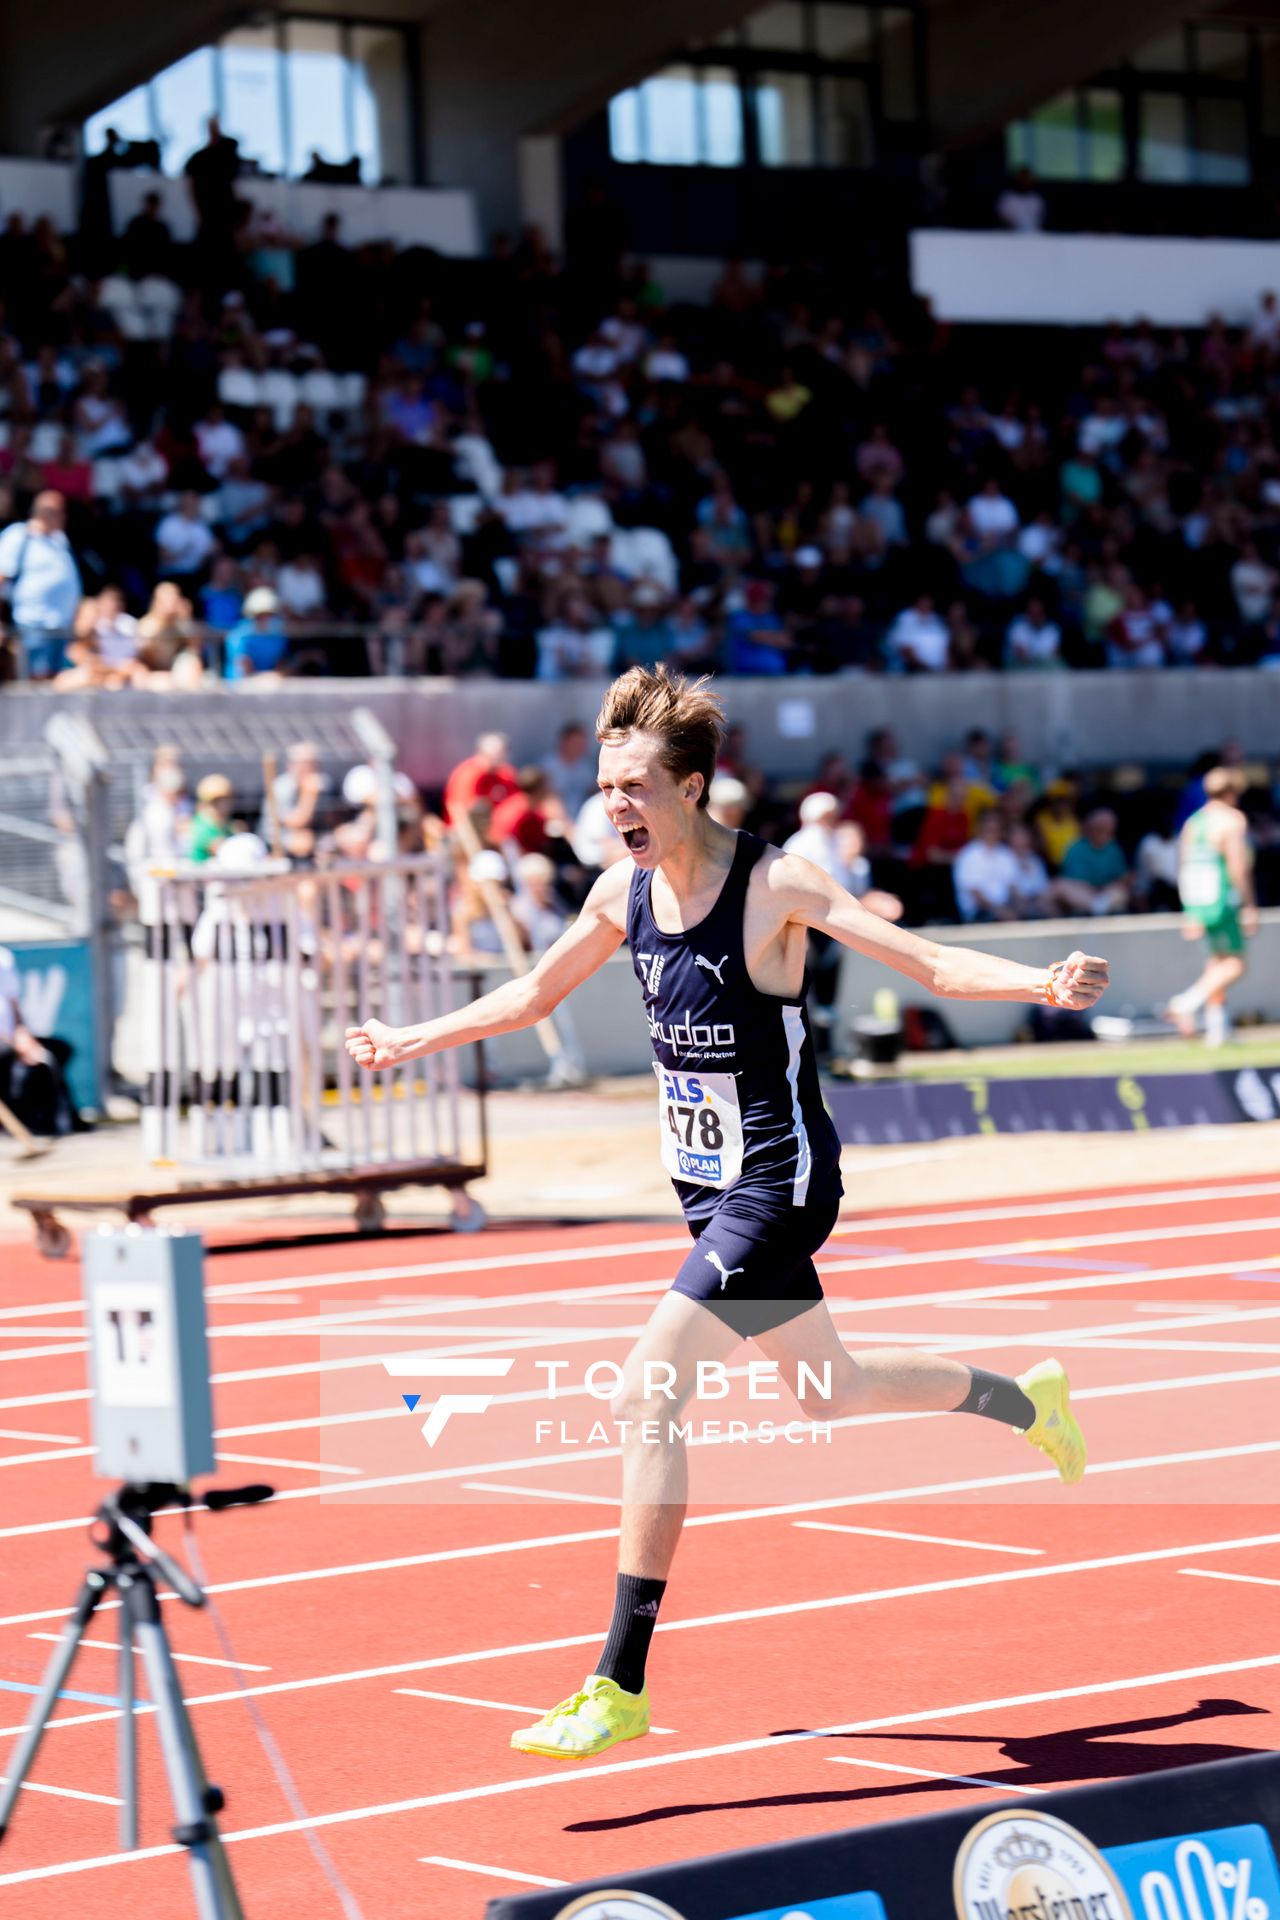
717	924
1215	881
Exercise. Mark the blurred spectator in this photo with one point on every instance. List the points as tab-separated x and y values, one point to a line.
184	540
288	822
1031	897
211	823
41	582
1021	206
571	769
944	832
485	883
104	651
31	1069
519	822
486	774
257	642
1033	639
577	645
1094	877
918	640
756	638
1056	822
167	629
986	873
534	906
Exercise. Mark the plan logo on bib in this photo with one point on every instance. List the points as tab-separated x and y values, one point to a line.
1015	1864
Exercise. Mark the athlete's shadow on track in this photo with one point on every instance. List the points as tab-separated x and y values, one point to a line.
1040	1760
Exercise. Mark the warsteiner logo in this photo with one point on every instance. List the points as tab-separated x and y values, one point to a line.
1031	1866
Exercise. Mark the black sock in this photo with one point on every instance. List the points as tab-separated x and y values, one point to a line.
996	1397
635	1615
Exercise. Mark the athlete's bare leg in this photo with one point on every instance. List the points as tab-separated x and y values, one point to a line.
655	1478
881	1380
1220	974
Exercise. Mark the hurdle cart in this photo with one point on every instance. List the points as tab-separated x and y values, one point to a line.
249	981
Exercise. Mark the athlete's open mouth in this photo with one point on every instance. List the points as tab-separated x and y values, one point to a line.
636	838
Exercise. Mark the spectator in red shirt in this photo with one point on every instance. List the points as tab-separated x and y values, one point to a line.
486	774
943	832
522	817
870	806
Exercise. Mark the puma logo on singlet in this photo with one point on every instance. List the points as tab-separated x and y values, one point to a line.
711	966
718	1263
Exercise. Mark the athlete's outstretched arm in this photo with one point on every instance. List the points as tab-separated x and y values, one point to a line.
814	900
581	949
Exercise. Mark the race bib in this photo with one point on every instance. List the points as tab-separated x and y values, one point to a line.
1200	884
700	1125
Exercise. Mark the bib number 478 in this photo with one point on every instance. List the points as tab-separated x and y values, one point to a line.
683	1121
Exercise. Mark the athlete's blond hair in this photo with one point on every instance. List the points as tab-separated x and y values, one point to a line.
684	715
1220	782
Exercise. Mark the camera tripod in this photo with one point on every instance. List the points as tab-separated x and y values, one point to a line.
122	1529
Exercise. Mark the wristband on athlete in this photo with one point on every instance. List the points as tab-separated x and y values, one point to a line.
1050	988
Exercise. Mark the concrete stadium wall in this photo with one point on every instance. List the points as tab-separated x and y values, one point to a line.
1088	719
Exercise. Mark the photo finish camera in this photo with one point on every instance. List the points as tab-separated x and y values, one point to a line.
148	1355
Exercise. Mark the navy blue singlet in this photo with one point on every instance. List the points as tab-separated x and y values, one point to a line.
746	1136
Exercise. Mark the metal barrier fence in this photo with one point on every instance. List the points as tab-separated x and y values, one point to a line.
251	980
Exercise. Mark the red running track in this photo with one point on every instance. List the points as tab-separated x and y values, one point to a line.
913	1615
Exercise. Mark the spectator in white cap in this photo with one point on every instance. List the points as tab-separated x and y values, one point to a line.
729	801
837	850
256	643
475	930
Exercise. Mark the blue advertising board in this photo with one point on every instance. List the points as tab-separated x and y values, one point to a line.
845	1906
1199	1876
57	1003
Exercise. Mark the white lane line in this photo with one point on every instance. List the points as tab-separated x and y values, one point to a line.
24	1433
929	1773
1119	1202
1073	1283
192	1659
540	1460
542	1493
309	1422
927	1539
69	1793
1150	1556
310	1466
494	1873
500	1706
1001	1306
1211	1573
564	1776
838	1306
1128	1200
43	1353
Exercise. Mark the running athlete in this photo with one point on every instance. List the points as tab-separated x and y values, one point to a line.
1215	881
717	924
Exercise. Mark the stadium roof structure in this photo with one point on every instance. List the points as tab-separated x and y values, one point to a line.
494	72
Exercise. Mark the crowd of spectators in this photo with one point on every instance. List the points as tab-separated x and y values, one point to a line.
252	454
983	836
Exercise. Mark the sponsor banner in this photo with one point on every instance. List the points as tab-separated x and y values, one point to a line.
1033	1866
1182	1843
57	1004
1228	1873
845	1906
890	1113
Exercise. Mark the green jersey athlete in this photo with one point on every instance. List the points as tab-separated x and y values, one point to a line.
1215	880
